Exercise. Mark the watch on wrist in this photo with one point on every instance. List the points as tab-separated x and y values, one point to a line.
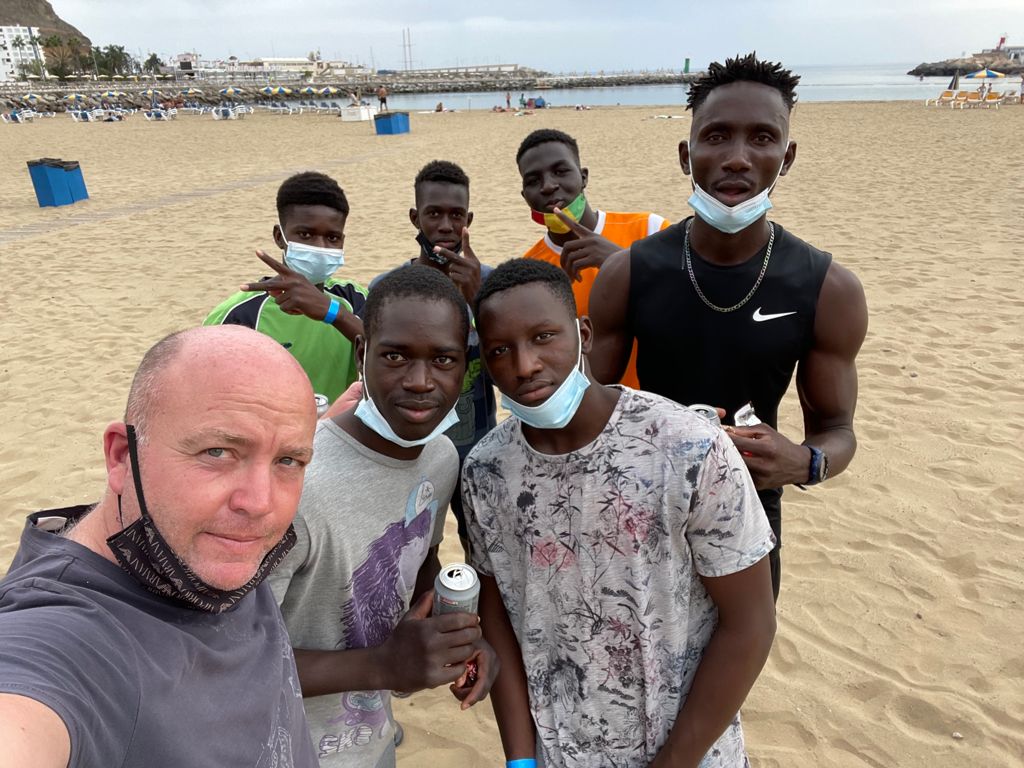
818	471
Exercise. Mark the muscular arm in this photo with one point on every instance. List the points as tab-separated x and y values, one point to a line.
32	734
827	377
731	663
826	381
609	302
509	696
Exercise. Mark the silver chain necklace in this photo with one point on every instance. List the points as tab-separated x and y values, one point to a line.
757	284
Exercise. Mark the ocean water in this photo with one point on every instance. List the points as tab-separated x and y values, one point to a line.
876	82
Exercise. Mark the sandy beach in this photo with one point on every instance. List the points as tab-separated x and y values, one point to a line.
902	606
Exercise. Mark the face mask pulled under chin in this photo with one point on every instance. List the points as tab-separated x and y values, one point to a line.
561	406
573	210
142	551
736	218
368	413
314	263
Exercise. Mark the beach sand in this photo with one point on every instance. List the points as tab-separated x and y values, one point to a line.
901	616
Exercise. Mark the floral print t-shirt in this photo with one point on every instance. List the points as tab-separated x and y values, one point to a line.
598	556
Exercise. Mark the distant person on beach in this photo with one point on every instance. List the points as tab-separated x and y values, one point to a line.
578	238
442	218
369	525
382	98
621	548
508	99
725	305
137	631
522	101
311	313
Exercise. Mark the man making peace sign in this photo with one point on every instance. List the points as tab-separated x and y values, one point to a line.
578	238
313	315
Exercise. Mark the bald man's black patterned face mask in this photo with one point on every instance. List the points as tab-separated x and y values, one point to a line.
143	552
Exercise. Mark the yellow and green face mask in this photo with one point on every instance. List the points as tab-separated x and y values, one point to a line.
573	210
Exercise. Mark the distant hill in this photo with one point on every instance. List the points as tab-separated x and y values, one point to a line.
38	13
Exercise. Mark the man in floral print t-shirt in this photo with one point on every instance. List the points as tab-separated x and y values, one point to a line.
622	551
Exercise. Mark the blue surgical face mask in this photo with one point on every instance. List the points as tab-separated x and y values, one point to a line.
368	413
561	406
314	263
736	218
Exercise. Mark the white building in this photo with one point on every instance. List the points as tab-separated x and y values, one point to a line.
16	49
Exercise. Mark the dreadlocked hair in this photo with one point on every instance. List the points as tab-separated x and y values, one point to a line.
744	68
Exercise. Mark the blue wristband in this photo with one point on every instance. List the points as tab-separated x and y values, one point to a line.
522	762
332	313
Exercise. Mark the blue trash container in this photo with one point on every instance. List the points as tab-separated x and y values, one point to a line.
390	123
50	182
40	182
75	181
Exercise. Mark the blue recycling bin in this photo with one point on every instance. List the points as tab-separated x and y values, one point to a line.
75	181
390	123
50	182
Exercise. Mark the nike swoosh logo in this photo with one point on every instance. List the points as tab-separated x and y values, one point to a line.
760	318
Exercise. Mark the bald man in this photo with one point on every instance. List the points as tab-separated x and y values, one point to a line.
138	631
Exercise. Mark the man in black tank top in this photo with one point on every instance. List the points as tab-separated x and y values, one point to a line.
725	305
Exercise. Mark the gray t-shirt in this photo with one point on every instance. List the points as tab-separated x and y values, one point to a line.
598	556
365	524
139	680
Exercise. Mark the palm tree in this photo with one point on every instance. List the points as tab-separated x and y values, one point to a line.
118	62
74	46
152	64
40	59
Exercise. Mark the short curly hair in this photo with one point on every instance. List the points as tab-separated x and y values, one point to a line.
413	282
516	272
311	188
743	68
543	136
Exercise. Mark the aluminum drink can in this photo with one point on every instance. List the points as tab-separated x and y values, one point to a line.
456	589
322	404
708	412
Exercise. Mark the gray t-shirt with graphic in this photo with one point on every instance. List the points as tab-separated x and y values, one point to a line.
598	556
365	524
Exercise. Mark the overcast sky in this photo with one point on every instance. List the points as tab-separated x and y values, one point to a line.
606	34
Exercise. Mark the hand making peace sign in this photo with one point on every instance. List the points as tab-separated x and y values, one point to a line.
463	269
588	249
295	294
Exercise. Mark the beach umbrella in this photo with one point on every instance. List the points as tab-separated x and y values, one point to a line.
190	91
985	73
309	91
112	94
954	84
118	77
31	77
75	97
33	97
151	92
230	91
276	90
329	90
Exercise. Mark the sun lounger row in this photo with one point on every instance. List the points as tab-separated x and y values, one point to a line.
332	108
968	99
25	115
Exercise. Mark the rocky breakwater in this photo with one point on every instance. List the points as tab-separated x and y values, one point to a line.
522	80
967	64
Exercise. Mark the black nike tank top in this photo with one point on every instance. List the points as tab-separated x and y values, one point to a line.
691	353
